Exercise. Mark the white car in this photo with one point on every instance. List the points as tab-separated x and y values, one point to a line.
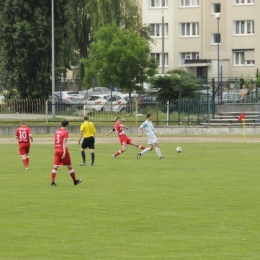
121	102
103	90
205	90
73	96
97	102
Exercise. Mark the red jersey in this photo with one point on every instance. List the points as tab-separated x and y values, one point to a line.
118	128
59	137
23	134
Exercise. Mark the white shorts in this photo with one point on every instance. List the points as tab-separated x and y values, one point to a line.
153	141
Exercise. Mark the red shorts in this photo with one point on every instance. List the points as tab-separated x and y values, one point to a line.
62	162
24	148
125	140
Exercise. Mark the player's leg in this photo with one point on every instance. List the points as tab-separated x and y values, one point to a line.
53	175
158	151
122	150
92	150
27	156
92	154
22	151
146	150
56	163
83	155
137	145
67	162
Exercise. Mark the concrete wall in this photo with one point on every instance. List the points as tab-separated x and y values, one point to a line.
133	130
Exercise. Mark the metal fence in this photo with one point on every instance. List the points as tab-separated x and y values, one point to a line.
187	112
165	112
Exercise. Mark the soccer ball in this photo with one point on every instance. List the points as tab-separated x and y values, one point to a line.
178	149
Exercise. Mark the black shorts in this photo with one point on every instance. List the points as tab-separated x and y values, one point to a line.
88	142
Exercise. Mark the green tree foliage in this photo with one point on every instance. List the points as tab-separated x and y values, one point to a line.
91	15
25	29
119	58
176	84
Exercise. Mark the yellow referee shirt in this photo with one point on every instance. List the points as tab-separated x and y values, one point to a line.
88	129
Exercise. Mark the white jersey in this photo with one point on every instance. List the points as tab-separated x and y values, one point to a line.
149	129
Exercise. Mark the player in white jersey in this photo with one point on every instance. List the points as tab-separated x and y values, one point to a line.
152	139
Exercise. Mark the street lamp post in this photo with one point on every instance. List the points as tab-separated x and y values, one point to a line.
53	62
163	4
217	16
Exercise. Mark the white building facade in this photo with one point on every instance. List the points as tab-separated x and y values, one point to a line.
192	28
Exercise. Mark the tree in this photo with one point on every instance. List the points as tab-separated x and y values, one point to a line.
25	29
91	15
119	58
176	84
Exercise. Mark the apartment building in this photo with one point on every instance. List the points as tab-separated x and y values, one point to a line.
206	37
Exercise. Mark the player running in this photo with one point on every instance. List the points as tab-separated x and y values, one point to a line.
24	136
152	139
62	156
124	140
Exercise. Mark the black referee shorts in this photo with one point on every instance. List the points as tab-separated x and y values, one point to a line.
88	142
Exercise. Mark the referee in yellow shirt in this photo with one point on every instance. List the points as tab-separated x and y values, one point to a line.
88	130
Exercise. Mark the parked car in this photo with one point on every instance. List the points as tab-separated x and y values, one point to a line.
121	102
60	104
74	96
147	100
87	93
205	89
228	97
2	100
97	102
103	90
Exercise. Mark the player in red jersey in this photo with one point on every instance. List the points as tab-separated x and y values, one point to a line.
61	155
124	140
24	136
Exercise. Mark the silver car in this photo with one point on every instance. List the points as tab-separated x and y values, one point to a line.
121	102
73	96
97	102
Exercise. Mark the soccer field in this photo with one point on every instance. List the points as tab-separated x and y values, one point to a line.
200	204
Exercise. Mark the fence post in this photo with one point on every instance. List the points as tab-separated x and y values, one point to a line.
213	96
46	111
136	113
168	112
179	112
157	113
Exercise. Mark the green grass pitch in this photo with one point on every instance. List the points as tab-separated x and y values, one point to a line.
200	204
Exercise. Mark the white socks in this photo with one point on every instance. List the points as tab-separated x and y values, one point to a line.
146	150
158	151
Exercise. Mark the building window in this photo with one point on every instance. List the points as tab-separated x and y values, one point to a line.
239	58
244	58
244	27
158	56
189	29
215	8
243	2
158	3
188	56
188	3
156	29
215	38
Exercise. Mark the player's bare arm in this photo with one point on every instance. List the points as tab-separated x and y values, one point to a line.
124	126
31	138
80	136
139	132
110	132
64	148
